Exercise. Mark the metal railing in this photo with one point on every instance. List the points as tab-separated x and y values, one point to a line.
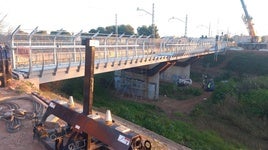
37	50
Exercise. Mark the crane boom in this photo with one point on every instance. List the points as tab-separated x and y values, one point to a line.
256	42
248	21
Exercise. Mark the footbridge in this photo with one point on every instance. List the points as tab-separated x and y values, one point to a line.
41	57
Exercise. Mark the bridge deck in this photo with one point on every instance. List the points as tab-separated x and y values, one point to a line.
38	55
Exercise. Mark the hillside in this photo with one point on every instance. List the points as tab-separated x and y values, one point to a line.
238	108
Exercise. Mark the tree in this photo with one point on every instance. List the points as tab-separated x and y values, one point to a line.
42	32
99	29
126	29
63	32
93	31
146	31
110	29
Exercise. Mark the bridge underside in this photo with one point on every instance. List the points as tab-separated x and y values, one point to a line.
63	71
143	82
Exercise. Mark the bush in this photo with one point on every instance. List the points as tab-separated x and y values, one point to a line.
248	63
256	103
223	89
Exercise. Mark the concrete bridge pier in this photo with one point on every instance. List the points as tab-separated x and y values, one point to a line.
143	82
137	84
180	70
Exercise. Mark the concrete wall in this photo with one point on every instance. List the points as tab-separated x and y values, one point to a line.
173	73
136	85
142	86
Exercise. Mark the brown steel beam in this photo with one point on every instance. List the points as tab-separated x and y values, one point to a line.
88	79
96	128
88	84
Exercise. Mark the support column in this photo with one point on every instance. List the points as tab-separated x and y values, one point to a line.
137	83
153	87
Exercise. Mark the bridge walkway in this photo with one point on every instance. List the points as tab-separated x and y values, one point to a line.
49	57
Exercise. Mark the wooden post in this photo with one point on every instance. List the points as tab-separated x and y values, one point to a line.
89	78
88	83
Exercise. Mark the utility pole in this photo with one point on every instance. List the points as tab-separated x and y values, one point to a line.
116	26
185	22
186	26
153	30
152	14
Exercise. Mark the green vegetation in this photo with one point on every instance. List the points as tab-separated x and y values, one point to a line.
234	117
239	105
237	115
122	29
249	63
149	116
207	61
127	30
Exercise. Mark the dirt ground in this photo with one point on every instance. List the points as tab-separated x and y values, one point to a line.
171	106
23	139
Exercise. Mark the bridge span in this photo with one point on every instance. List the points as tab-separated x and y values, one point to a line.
58	56
40	57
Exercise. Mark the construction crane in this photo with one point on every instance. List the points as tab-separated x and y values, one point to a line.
248	21
254	44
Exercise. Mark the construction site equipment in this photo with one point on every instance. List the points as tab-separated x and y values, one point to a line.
13	115
208	83
72	136
255	41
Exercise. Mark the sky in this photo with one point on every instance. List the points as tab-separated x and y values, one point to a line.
205	17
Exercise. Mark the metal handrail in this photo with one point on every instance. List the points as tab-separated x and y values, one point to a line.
28	49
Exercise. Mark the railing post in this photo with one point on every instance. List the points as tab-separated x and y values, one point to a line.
56	46
164	43
116	48
30	50
143	45
136	43
128	43
12	47
105	45
74	43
